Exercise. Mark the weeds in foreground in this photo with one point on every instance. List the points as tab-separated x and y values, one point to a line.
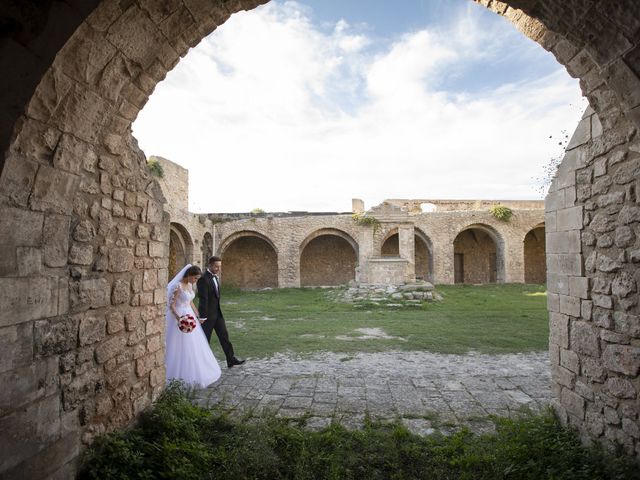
177	440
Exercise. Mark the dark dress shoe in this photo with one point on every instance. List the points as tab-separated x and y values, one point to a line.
235	361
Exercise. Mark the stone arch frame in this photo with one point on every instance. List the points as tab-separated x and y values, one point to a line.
387	235
183	236
420	234
225	242
206	248
75	79
497	240
525	257
335	232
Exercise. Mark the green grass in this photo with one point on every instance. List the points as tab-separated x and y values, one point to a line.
176	440
488	319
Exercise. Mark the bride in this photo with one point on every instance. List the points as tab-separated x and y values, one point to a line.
188	356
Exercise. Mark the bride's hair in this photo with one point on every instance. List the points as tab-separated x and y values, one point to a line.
191	271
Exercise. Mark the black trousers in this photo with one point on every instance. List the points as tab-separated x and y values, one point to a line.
220	328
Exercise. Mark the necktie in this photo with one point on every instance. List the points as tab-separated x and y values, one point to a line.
215	282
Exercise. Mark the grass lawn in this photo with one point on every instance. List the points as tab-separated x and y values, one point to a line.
487	318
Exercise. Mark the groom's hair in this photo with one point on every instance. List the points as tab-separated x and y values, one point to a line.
214	259
191	271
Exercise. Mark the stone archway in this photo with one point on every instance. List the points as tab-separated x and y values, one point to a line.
83	227
478	255
423	256
180	248
206	248
250	260
390	246
535	268
328	257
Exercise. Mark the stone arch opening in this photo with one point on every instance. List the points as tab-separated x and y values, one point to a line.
206	248
478	255
328	257
535	261
250	260
73	180
423	256
180	248
390	246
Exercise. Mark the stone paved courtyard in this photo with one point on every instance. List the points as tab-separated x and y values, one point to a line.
428	392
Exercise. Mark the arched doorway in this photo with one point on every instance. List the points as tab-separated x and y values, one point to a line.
391	244
206	248
249	260
180	248
535	262
328	257
477	254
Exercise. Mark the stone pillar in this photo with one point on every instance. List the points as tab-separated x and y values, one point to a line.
357	205
443	262
365	252
513	260
289	267
407	250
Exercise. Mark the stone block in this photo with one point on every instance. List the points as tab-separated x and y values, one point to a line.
579	287
55	336
110	347
586	308
553	302
624	236
81	254
56	240
623	285
160	296
25	299
602	301
627	324
585	339
121	292
623	359
155	212
156	249
629	214
569	219
16	343
90	293
573	403
582	133
602	317
570	305
72	154
92	329
558	283
17	179
29	261
621	388
17	228
29	383
602	223
25	431
121	259
631	427
592	369
565	264
563	242
54	190
120	375
559	329
570	361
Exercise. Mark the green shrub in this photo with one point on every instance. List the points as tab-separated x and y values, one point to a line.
155	168
176	440
364	220
501	213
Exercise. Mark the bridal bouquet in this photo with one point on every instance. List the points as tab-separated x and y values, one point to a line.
187	323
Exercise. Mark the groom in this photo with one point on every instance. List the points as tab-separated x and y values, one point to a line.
209	308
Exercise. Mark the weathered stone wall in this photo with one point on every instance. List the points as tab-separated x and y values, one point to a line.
478	252
84	236
423	260
250	262
327	260
535	263
391	246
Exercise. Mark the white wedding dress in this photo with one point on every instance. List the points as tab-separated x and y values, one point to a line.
188	356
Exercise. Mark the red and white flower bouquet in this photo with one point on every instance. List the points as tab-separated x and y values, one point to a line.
187	323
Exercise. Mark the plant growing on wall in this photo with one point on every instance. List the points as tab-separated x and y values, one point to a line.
501	213
363	220
155	168
256	211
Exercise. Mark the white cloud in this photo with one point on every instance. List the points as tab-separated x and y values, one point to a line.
271	111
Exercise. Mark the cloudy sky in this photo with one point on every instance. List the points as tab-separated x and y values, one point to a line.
306	105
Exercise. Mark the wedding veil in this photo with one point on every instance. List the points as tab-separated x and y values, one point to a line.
173	284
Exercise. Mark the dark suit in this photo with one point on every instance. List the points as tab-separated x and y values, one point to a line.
209	308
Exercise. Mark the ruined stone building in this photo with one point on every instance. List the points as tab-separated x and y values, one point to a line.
85	236
456	241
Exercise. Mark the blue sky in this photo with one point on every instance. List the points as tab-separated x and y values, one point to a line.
305	105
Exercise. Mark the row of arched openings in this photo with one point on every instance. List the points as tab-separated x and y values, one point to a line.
330	256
